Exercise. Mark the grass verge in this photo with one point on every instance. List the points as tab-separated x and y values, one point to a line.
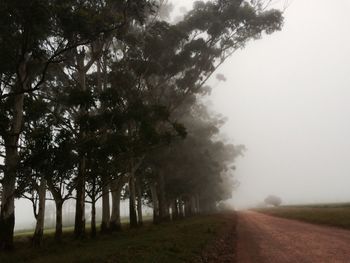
181	241
332	215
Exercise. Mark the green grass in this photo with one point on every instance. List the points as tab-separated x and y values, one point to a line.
180	241
327	214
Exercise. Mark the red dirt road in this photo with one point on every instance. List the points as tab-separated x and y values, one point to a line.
267	239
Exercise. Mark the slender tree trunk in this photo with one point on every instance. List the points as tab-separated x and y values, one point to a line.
139	203
163	207
175	210
116	188
167	212
59	224
187	207
198	204
93	218
7	214
79	226
56	193
39	228
155	204
105	207
132	200
181	208
193	205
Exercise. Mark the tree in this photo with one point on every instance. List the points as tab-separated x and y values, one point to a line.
94	94
273	200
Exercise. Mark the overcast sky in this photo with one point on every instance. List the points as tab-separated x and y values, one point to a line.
287	97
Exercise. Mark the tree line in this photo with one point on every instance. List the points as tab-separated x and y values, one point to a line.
100	98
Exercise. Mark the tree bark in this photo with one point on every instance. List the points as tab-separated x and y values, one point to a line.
59	224
93	218
7	214
155	203
132	200
175	210
57	196
181	208
198	204
163	207
193	205
105	208
188	209
39	228
79	225
116	188
139	203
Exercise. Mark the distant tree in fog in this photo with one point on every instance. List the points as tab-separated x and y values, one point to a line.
273	200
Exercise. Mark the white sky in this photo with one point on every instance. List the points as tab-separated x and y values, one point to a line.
287	98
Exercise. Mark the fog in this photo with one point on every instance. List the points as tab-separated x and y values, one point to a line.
287	99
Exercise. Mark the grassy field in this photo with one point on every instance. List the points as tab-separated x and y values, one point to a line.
181	241
327	214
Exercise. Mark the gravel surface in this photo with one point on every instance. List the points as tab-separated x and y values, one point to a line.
268	239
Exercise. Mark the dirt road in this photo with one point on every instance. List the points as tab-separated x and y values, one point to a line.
267	239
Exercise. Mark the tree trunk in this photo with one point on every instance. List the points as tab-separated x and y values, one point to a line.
105	207
163	207
187	207
198	205
193	205
79	225
39	228
139	203
181	208
132	197
57	196
93	218
155	203
58	231
7	214
175	210
116	188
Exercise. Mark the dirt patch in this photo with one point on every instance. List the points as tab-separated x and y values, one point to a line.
268	239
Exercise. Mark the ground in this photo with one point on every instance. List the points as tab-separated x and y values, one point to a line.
197	239
268	239
250	237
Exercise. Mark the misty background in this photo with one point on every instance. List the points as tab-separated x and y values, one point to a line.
287	100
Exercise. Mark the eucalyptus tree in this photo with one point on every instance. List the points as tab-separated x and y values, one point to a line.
22	50
36	159
170	63
114	77
60	181
34	35
198	169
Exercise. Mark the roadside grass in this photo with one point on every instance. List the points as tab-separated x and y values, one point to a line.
326	214
180	241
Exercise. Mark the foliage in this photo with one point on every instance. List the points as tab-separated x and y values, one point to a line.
93	92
